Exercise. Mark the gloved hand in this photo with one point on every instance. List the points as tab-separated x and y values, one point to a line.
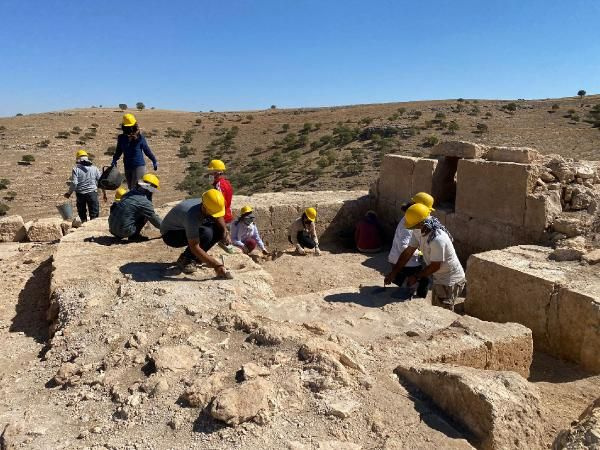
155	165
317	251
300	250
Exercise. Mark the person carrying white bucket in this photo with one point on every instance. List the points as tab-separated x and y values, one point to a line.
84	182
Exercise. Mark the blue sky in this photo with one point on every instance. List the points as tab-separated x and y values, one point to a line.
242	54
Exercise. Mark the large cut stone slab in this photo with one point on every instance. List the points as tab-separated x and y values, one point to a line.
501	409
522	155
459	149
558	301
493	190
12	229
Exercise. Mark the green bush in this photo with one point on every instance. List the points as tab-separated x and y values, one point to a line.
173	133
474	111
555	106
28	158
575	117
10	196
401	110
43	144
63	135
140	106
482	128
4	209
273	107
512	106
19	114
76	130
4	182
488	115
307	128
440	115
581	93
122	106
365	121
414	115
285	127
430	141
185	151
453	127
460	100
394	117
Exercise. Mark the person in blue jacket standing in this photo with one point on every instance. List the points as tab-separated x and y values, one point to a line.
133	146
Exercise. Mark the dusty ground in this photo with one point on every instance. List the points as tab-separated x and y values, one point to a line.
85	415
38	187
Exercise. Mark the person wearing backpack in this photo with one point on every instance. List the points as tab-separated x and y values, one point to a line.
84	182
132	145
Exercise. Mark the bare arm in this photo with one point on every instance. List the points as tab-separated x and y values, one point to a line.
402	260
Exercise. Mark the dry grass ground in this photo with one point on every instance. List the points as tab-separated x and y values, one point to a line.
260	155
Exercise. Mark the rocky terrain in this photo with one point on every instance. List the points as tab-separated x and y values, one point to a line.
280	150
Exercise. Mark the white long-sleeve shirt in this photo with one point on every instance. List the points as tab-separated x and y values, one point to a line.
240	232
298	225
402	238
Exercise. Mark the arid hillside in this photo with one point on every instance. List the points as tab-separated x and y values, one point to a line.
278	150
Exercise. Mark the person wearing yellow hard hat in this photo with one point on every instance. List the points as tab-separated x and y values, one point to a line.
435	242
132	145
119	193
402	237
197	224
303	233
130	213
244	232
217	170
84	182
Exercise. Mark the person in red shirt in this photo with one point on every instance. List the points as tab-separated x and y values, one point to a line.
367	234
217	168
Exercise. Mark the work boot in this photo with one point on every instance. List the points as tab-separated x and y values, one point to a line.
186	265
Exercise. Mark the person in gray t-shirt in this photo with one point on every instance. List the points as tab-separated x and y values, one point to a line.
84	182
198	225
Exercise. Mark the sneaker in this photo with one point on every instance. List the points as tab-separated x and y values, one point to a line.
186	265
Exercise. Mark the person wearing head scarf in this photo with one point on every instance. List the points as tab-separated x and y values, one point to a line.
84	182
244	232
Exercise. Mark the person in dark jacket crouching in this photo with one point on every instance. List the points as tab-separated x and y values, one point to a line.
134	210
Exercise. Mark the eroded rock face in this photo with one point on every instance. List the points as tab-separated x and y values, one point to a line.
242	403
501	409
583	434
45	230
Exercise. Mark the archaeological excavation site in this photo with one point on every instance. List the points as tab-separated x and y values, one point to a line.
305	352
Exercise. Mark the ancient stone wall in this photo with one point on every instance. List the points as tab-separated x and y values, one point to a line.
494	197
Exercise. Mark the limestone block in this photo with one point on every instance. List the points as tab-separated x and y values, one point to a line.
540	212
45	230
12	229
242	403
568	225
575	328
522	155
499	293
592	257
395	180
459	149
281	216
422	178
493	190
501	409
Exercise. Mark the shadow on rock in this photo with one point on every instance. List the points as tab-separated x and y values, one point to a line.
150	271
104	240
206	424
433	416
552	370
34	300
371	296
378	262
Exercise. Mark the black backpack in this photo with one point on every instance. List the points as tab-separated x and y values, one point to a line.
111	179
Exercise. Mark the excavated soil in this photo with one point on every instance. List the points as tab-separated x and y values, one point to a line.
114	322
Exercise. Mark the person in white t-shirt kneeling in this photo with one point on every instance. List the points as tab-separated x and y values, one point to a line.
435	242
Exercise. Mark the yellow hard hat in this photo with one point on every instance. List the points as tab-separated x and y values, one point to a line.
424	199
217	165
214	203
120	193
311	214
152	180
246	209
129	120
416	214
81	153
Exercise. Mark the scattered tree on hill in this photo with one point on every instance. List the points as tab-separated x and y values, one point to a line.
273	107
123	106
140	106
581	93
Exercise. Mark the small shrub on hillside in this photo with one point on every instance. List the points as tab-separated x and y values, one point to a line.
394	117
285	127
440	116
365	121
414	115
63	135
28	158
4	209
185	151
482	128
453	127
110	151
318	126
575	117
460	100
512	106
43	144
555	106
401	110
122	106
198	121
488	115
2	128
4	182
430	141
19	114
250	117
10	196
76	130
95	125
307	128
428	124
188	137
173	133
474	111
80	142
